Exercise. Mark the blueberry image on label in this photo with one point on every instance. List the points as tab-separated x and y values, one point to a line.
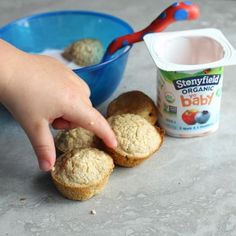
202	117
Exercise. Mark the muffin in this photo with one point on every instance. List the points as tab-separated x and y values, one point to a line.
137	139
81	174
84	52
134	102
67	140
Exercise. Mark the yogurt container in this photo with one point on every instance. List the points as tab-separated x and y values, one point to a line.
191	65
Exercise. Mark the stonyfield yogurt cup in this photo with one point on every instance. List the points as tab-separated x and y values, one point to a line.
191	65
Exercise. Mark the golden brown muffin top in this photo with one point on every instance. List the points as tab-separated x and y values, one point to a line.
82	167
67	140
134	102
135	135
84	52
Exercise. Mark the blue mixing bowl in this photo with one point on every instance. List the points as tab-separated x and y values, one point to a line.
56	30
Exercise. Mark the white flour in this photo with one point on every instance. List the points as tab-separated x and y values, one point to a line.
56	53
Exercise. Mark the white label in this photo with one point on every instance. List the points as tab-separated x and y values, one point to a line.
189	104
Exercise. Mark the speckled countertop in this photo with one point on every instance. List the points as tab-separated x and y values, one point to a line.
188	188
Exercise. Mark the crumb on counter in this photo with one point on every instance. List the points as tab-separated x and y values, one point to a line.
93	212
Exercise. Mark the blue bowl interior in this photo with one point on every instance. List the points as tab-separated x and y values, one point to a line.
56	30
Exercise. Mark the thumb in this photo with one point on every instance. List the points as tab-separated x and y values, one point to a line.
42	141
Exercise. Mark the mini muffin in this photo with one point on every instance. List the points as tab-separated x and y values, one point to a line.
84	52
137	139
134	102
81	174
67	140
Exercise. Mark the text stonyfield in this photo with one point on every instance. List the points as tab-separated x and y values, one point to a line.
197	81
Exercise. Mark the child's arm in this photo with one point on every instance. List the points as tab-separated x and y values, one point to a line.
39	91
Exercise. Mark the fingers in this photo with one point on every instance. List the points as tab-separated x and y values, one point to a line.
89	118
60	123
43	144
85	87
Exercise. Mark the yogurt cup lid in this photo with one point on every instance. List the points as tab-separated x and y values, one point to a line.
190	50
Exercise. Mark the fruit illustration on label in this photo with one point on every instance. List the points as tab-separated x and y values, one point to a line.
189	116
202	117
207	71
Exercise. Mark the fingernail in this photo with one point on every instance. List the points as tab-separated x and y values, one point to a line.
45	165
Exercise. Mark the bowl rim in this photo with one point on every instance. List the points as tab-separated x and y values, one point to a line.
83	12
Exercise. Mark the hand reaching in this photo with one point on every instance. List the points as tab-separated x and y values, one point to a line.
39	91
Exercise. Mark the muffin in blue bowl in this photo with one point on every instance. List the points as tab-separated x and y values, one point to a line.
58	29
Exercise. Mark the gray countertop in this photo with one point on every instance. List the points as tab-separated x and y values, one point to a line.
187	188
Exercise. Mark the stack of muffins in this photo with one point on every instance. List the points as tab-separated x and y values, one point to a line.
86	163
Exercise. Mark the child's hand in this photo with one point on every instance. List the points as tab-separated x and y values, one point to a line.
39	91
